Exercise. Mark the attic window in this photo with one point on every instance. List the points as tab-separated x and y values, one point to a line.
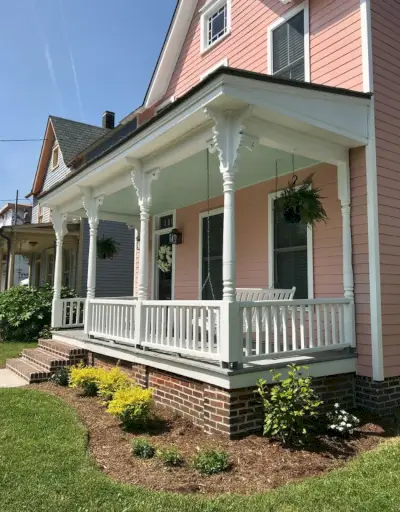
215	22
54	158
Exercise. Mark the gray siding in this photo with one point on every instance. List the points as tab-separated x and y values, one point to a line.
59	173
114	277
45	212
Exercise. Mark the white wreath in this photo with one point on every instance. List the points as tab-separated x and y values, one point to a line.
164	258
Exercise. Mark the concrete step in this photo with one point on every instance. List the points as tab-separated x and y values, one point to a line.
74	354
47	360
28	370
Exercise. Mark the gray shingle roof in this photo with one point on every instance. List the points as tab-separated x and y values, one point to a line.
73	137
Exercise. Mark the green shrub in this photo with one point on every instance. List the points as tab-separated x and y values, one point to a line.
86	378
143	449
25	311
61	376
289	406
210	462
113	380
170	456
132	406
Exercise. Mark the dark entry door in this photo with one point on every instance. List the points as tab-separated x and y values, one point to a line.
164	278
212	233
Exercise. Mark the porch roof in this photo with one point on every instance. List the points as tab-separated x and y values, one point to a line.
316	121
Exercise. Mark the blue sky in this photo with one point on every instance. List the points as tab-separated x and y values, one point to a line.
74	59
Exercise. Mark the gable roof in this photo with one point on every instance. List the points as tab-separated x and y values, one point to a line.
170	51
72	138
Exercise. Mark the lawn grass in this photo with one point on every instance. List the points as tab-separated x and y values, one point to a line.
44	467
10	349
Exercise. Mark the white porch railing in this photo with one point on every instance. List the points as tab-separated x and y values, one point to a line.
230	333
72	312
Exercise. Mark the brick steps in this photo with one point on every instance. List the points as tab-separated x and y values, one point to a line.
39	364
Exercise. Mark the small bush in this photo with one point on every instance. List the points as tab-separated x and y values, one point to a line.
210	462
142	448
86	378
113	380
132	406
26	310
61	376
289	406
170	456
342	423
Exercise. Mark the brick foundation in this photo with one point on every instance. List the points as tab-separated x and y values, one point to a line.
234	413
382	398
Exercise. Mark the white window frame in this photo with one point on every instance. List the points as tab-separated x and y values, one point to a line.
56	148
155	236
210	8
203	215
220	64
271	240
286	17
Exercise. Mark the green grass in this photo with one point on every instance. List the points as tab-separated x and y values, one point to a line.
44	467
9	349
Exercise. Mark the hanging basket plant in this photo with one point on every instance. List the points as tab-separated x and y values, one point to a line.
107	248
302	203
164	258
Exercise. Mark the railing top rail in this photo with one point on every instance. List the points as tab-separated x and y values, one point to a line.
81	299
187	303
295	302
116	302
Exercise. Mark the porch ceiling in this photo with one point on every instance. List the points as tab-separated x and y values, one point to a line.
185	183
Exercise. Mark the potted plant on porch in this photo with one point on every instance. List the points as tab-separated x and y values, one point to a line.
107	248
302	203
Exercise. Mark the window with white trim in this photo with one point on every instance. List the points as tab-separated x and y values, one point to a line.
215	22
288	48
54	159
291	248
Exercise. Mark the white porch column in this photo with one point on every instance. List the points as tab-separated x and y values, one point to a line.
228	134
60	229
92	206
344	190
142	183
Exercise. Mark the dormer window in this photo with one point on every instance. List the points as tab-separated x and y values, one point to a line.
54	158
215	22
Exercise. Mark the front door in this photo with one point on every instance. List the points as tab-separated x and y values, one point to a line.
211	256
164	279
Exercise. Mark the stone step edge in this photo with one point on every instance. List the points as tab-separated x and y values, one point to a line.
68	352
54	364
34	371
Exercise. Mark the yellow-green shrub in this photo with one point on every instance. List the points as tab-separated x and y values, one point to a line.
112	381
86	378
132	406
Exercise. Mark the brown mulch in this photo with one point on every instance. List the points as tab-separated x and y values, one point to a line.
257	463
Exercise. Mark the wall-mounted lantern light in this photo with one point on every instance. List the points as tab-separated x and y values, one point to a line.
175	237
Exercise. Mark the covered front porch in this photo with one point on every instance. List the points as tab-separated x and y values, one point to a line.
225	150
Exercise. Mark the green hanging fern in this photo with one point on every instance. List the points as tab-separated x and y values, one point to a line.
303	203
107	248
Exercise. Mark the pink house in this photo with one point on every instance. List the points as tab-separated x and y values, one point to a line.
245	96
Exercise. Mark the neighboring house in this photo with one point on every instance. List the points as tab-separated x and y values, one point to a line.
8	218
62	141
244	95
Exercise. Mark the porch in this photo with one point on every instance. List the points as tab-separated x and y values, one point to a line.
233	134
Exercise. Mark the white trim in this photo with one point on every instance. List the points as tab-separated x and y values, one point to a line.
366	31
154	243
55	148
223	62
203	215
164	104
270	240
283	19
205	13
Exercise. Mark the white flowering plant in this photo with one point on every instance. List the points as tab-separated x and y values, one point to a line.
341	422
164	258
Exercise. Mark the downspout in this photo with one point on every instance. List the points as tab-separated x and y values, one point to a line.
2	235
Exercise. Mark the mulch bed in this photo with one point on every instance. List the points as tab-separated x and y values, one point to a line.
257	463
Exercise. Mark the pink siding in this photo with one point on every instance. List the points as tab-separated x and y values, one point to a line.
252	241
386	58
335	43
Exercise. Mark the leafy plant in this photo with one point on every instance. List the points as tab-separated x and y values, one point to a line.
164	258
132	406
86	378
61	376
26	310
45	333
303	203
111	381
142	448
170	456
289	406
210	462
341	422
107	248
